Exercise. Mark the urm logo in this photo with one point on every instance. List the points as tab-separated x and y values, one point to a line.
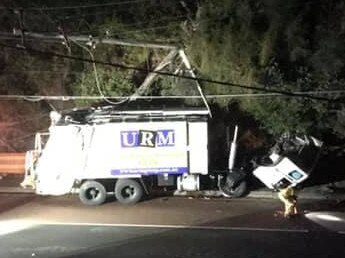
147	138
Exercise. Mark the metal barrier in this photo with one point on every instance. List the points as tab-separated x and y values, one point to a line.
12	163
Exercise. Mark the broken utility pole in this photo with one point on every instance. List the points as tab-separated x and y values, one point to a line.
174	53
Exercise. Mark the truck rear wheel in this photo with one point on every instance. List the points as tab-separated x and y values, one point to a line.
128	191
236	190
92	193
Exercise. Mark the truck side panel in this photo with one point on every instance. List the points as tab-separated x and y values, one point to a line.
136	149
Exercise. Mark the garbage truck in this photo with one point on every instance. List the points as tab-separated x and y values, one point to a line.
106	151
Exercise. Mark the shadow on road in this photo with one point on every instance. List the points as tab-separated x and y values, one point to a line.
12	201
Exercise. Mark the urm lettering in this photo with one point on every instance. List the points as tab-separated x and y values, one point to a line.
147	138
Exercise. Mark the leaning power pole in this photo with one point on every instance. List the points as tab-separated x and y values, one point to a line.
174	53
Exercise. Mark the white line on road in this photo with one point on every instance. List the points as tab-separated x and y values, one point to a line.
178	227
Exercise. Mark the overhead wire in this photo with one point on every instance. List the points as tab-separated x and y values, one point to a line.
13	72
98	86
172	24
10	36
93	61
43	10
85	48
121	66
52	8
90	97
167	19
89	51
96	75
122	29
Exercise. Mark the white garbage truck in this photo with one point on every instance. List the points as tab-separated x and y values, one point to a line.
101	152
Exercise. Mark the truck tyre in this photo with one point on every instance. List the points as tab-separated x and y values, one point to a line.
92	193
235	191
128	191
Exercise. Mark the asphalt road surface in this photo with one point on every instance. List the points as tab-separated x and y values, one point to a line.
34	226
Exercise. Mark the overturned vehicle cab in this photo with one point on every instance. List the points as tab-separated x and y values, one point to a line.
289	162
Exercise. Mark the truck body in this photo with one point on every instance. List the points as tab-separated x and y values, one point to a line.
170	146
97	152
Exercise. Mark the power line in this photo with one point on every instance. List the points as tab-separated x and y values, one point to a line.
166	19
172	22
46	8
12	72
122	31
98	86
36	98
235	85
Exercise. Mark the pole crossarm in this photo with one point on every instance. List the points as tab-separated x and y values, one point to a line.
84	38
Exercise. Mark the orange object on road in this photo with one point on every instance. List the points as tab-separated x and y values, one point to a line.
288	197
12	163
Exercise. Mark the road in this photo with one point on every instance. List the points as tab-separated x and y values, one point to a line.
35	226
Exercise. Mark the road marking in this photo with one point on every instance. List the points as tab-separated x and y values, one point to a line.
177	227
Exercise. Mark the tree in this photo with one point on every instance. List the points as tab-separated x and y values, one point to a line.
109	83
280	45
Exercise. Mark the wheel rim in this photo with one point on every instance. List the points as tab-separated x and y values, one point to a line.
92	193
128	192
